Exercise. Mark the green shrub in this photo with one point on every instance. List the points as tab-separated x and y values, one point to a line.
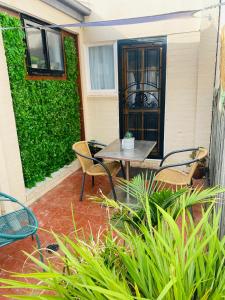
46	111
163	262
150	194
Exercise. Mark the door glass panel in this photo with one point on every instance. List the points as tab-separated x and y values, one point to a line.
151	120
151	100
152	59
151	79
150	135
131	60
137	134
131	98
135	120
131	81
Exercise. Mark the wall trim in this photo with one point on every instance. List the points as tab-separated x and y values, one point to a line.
49	183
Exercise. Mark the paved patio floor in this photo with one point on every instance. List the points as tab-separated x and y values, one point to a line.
54	212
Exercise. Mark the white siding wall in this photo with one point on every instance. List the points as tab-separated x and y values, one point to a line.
181	89
11	176
206	74
105	115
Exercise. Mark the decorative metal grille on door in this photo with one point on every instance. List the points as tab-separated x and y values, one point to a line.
142	89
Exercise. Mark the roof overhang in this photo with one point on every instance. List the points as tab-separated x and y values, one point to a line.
72	8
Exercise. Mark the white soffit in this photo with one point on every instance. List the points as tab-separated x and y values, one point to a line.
72	8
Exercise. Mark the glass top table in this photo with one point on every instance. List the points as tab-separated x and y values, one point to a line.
114	151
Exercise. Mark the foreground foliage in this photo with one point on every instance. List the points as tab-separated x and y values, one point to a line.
161	262
149	194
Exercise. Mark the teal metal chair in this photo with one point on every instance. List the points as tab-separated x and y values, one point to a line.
18	225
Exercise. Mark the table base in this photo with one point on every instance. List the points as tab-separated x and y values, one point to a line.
123	197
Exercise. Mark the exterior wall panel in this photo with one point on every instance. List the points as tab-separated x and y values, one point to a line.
190	67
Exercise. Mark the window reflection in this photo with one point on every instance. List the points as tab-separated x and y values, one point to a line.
35	47
55	50
44	48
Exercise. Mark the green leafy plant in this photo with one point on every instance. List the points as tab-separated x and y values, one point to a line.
46	111
128	135
146	191
164	262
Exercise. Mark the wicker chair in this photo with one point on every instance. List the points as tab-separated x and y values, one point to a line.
94	167
167	173
17	225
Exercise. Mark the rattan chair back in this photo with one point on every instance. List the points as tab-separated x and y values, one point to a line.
83	148
201	153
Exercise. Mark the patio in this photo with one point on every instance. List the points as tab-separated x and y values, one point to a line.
57	203
53	212
86	82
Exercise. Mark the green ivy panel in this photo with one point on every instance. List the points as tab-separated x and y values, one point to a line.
46	111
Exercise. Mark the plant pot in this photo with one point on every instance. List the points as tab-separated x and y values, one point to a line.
128	143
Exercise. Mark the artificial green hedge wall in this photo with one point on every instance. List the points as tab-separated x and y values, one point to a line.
46	111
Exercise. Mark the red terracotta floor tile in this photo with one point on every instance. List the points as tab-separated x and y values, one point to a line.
54	212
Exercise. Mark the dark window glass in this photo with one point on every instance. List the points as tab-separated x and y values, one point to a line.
35	48
44	49
152	59
55	50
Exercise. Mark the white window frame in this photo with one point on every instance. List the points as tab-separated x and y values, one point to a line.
103	92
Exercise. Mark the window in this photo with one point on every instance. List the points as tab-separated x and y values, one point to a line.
44	49
101	61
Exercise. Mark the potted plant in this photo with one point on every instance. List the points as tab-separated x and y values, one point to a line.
128	141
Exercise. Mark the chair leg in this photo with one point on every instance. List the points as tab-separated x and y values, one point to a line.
112	187
39	247
122	169
93	181
82	186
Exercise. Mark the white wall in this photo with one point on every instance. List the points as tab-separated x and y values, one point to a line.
181	89
191	45
11	176
206	73
183	39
